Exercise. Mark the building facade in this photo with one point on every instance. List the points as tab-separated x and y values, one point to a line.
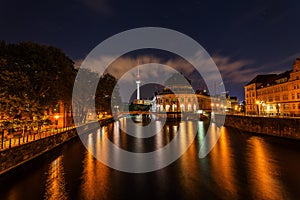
179	96
274	94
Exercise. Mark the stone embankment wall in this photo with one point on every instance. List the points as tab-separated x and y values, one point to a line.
282	127
16	156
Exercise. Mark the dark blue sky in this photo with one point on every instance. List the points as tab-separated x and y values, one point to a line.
244	37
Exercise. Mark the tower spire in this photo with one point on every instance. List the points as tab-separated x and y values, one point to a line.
138	82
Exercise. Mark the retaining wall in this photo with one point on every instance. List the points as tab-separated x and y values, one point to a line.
282	127
16	156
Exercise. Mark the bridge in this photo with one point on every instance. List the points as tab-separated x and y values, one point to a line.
158	114
126	113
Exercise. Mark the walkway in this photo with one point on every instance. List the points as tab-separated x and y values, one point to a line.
27	137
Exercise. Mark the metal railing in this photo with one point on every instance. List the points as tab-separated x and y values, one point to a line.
7	143
10	142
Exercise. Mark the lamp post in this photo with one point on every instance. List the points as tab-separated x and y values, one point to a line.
56	122
257	104
263	107
2	138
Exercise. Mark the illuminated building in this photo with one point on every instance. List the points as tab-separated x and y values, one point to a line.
179	96
274	94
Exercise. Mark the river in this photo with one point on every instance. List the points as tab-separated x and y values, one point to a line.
240	166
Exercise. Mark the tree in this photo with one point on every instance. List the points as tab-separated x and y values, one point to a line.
33	78
83	94
85	97
107	93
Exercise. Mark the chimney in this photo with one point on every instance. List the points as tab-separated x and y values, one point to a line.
297	65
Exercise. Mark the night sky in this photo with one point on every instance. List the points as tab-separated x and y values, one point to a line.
243	37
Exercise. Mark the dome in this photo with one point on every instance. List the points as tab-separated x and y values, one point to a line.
177	79
178	83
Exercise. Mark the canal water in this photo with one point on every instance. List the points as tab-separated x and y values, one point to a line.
240	166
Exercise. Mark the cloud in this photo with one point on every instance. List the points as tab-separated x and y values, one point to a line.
278	65
233	72
242	71
124	69
125	63
100	6
237	71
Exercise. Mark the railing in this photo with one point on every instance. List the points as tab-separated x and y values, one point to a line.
6	143
265	115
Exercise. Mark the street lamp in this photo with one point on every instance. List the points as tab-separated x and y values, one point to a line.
56	122
257	104
278	109
263	107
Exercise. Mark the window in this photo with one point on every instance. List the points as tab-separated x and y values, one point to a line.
270	99
293	96
271	107
55	109
277	98
285	97
294	106
298	95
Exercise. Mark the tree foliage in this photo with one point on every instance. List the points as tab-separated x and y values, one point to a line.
33	77
105	96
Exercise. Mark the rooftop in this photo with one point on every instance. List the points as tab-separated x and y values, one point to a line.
262	78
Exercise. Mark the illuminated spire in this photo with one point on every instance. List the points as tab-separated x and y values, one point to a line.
138	82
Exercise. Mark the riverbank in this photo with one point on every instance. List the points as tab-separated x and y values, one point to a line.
280	127
19	155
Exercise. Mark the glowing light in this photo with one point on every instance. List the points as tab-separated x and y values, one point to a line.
200	111
167	108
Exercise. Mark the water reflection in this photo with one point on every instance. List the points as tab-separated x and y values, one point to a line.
263	171
95	175
240	166
55	185
222	166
